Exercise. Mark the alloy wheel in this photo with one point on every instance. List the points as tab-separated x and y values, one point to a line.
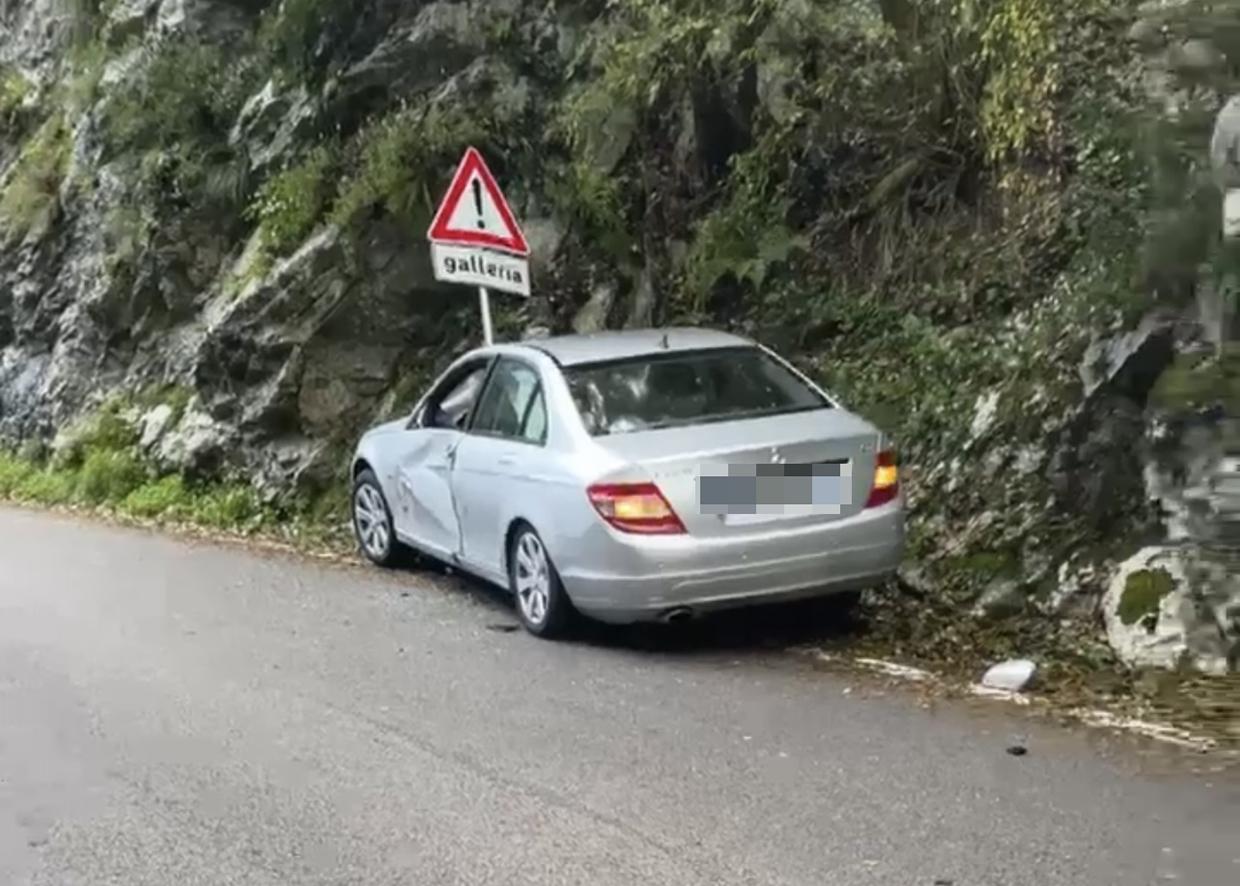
371	521
533	578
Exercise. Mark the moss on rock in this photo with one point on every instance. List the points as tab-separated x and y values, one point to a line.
1143	594
1201	380
31	198
14	90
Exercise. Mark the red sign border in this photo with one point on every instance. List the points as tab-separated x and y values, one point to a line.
439	231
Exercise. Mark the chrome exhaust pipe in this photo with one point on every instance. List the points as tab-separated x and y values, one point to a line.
679	615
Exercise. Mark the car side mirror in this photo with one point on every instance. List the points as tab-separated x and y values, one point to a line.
428	418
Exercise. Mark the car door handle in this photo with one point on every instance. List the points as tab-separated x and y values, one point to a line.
506	461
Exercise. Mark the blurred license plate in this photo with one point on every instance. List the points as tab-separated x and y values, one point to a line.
757	493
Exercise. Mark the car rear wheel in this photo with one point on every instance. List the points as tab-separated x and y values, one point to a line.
372	522
542	605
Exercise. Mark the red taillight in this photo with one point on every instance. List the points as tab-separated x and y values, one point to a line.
886	480
635	507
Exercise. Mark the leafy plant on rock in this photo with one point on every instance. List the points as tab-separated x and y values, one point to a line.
397	160
14	90
291	203
176	116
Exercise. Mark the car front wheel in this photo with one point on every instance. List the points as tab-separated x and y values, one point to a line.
372	521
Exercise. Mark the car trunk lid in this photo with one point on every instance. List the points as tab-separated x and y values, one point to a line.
756	475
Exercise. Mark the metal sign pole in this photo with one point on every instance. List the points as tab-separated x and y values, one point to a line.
484	304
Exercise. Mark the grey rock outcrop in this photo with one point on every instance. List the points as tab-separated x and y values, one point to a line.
286	363
1166	606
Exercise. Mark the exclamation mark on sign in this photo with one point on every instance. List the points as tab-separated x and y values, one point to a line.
478	204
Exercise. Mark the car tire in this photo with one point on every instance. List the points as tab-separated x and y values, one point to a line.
538	594
372	522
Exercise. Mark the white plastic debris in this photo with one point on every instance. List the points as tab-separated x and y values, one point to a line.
1012	676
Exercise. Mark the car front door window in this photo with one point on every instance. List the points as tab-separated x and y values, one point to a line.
452	409
506	403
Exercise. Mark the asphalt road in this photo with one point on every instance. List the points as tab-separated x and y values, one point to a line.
175	714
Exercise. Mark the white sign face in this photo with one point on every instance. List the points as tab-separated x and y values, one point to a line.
478	211
475	212
479	267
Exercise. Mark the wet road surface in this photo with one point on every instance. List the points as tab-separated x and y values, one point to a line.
175	713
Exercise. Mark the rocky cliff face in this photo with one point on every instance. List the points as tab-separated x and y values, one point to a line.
226	199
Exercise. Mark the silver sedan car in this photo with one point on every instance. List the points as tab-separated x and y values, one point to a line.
633	476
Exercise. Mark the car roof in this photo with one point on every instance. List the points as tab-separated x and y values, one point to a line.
573	350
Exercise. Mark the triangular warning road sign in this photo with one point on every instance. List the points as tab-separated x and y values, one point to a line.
475	213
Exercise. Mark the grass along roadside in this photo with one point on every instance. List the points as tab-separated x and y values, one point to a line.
99	465
113	483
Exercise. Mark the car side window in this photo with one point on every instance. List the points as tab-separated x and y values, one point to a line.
534	429
450	407
506	403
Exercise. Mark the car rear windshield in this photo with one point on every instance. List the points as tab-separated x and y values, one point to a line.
686	388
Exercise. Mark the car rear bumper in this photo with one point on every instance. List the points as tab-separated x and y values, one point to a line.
651	576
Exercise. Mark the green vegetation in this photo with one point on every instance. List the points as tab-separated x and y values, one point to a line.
1018	41
748	237
990	565
176	117
290	204
99	467
397	161
884	188
14	89
1143	594
591	201
108	430
108	476
80	88
1200	381
945	201
31	198
185	94
394	165
165	497
176	397
119	482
